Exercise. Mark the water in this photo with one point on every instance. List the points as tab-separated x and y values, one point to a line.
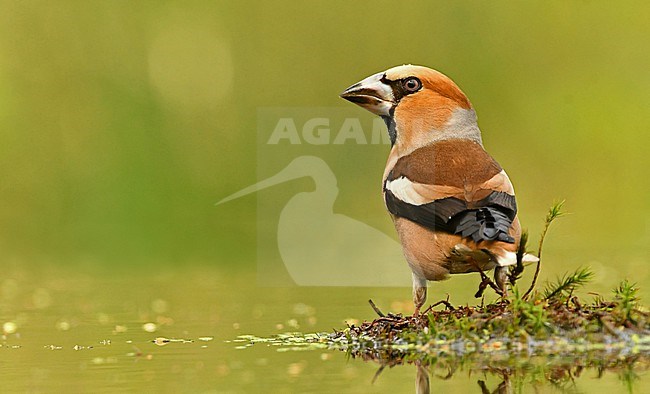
176	330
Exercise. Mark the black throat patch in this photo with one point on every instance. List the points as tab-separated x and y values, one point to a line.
391	126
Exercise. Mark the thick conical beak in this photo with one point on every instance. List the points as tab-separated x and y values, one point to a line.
372	94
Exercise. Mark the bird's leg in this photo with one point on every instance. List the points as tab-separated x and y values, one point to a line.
419	292
501	279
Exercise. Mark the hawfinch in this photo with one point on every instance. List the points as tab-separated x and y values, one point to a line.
452	204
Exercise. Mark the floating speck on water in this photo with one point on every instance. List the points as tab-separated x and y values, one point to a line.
311	320
325	356
160	341
53	347
206	339
129	341
150	327
241	347
9	327
106	342
279	326
78	347
204	346
235	326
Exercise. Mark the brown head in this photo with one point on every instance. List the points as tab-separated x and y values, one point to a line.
418	104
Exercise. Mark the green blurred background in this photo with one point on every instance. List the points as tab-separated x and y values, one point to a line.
122	123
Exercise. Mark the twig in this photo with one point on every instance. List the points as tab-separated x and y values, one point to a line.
446	303
554	213
386	319
377	311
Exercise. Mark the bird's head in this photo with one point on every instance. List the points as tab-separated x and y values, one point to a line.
418	104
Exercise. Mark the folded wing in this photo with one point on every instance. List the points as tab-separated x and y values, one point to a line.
467	194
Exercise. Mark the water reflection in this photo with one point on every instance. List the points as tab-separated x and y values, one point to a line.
422	383
512	374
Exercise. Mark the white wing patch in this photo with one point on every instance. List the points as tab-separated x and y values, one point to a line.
415	193
403	189
419	193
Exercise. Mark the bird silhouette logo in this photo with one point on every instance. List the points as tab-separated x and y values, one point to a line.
322	248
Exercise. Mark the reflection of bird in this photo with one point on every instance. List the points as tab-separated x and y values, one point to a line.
323	248
452	204
422	385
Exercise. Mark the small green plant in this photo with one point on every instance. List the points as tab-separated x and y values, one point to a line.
625	296
564	286
529	315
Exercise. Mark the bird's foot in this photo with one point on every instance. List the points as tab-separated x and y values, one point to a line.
485	282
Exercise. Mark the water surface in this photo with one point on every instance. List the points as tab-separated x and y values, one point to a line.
177	330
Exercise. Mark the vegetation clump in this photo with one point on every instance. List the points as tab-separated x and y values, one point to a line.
552	316
554	312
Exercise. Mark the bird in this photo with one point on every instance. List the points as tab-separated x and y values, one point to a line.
320	247
452	204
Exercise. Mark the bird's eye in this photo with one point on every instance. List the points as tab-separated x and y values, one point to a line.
412	84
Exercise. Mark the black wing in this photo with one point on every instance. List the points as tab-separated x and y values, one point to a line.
486	219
